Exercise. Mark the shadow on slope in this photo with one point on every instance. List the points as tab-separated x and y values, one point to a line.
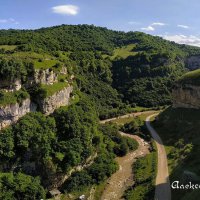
180	131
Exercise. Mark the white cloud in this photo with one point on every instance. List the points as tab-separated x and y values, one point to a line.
152	26
8	21
148	28
183	39
158	24
183	26
66	9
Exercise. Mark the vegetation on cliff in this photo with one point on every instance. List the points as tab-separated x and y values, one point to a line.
192	78
179	130
9	98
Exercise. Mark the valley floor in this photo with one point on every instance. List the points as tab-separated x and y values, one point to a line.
123	178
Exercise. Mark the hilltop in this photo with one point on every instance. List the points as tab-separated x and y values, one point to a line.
133	67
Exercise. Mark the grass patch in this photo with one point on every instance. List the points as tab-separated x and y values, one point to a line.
45	64
142	117
122	121
8	47
141	109
62	77
7	98
29	55
124	52
99	190
192	77
49	90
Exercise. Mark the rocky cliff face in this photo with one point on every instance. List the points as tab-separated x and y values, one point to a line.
61	98
193	62
186	96
46	77
11	113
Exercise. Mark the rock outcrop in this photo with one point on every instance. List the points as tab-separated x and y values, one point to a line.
60	98
11	113
186	96
10	86
193	62
47	77
63	70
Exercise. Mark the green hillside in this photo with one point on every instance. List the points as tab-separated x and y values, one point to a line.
141	67
124	52
192	77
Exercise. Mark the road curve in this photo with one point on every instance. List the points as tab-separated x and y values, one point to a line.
134	114
163	190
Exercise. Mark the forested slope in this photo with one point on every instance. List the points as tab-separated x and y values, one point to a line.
141	67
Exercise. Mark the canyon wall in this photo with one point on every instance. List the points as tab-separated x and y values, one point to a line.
47	76
193	62
60	98
9	114
186	96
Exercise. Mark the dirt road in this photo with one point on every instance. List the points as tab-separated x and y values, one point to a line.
135	114
123	178
163	190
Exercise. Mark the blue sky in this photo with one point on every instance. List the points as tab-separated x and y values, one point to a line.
176	20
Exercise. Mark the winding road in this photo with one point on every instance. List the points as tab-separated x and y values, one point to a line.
163	190
124	177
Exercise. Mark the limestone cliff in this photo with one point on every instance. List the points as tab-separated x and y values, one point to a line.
186	92
186	96
60	98
11	113
47	76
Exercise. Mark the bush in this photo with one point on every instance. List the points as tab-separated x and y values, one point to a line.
20	186
77	181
